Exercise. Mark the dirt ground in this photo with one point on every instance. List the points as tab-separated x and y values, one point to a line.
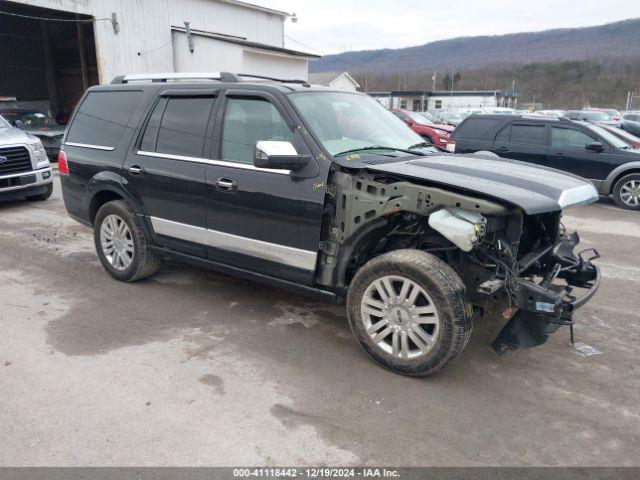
197	368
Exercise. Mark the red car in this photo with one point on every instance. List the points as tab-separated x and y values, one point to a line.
424	125
623	135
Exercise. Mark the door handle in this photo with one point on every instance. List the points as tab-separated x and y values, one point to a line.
135	169
227	184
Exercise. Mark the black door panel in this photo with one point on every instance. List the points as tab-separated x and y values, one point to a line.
263	220
166	172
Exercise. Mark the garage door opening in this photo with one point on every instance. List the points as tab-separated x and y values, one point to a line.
46	64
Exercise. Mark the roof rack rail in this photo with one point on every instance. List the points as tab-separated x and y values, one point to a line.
165	77
281	80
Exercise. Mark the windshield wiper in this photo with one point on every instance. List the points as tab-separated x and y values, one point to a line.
376	147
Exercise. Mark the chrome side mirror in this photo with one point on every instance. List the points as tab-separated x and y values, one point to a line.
278	155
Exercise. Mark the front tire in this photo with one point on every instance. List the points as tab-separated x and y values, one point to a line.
42	196
409	311
626	192
121	244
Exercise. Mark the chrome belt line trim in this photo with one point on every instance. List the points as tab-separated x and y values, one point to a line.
87	145
220	163
295	257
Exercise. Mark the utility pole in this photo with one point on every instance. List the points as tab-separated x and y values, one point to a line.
453	68
434	80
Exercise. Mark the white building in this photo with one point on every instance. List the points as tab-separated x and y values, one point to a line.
93	41
441	100
335	80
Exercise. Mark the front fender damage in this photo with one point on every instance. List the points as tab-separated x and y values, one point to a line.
542	308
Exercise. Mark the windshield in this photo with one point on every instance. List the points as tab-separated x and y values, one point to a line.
4	123
29	120
419	117
609	137
451	116
596	116
348	121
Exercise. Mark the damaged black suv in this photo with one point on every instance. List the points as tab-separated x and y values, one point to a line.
328	194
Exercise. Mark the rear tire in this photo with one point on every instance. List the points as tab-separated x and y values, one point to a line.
42	196
121	244
626	192
413	330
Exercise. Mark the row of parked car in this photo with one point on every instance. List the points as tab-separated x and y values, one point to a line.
597	145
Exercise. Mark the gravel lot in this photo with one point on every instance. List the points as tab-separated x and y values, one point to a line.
197	368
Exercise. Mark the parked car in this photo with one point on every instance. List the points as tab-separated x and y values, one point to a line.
630	122
434	133
551	113
449	118
612	112
595	116
25	171
38	124
501	110
326	193
581	148
623	135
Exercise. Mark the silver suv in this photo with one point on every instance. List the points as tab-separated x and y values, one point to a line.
25	171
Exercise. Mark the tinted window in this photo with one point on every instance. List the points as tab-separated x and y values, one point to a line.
184	126
503	135
477	127
527	134
153	126
101	118
569	138
245	122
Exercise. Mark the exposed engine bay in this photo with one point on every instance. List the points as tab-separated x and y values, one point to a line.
519	268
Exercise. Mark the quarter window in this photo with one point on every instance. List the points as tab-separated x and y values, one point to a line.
246	121
102	117
527	134
569	138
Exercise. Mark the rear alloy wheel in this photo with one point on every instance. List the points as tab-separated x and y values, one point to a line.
626	192
121	244
409	311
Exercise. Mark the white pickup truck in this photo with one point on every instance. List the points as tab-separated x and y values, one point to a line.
25	171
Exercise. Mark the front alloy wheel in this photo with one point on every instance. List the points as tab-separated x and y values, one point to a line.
409	311
400	317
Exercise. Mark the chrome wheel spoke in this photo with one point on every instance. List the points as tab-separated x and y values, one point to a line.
377	326
404	345
382	335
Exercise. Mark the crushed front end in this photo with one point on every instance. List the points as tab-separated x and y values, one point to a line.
538	282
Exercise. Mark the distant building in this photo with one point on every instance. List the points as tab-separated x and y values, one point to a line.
52	50
444	100
336	80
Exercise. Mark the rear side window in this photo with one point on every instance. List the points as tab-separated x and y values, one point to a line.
528	134
178	126
569	138
477	127
102	117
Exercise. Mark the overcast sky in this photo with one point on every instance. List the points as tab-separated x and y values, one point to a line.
334	26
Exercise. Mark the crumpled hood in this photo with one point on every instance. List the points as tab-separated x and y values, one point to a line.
533	188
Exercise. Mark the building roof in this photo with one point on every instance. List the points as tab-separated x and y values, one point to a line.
326	78
246	43
253	6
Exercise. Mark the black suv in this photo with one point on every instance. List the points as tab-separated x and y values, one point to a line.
329	194
581	148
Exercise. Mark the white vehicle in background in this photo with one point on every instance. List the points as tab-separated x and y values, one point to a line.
25	171
551	113
499	110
